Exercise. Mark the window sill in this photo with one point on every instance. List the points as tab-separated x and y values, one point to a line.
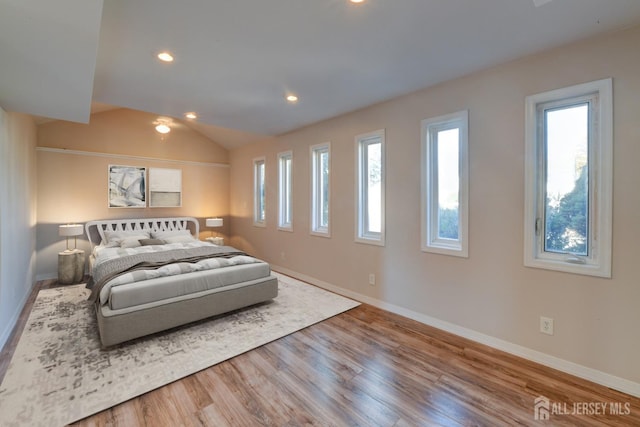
568	267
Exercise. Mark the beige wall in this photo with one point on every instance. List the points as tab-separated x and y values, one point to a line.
491	292
17	216
72	187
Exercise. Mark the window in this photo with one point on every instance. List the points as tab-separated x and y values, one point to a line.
320	172
258	192
445	184
370	188
285	164
568	178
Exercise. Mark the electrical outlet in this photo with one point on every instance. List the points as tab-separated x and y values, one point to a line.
546	325
372	279
283	256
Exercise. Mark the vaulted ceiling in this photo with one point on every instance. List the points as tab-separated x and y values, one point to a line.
235	61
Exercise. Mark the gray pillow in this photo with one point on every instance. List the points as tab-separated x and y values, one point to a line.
149	242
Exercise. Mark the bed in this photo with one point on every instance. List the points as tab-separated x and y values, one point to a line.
152	274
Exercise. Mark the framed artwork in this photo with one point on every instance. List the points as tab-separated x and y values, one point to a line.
165	188
127	186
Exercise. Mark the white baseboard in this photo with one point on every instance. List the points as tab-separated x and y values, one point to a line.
572	368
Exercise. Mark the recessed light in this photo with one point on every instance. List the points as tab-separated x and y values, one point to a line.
292	98
191	115
165	57
356	1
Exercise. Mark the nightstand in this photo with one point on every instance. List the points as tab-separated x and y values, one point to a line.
215	240
70	266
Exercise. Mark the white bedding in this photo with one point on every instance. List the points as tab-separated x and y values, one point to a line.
165	288
138	286
104	252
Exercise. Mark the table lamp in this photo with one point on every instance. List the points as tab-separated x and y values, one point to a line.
69	230
214	222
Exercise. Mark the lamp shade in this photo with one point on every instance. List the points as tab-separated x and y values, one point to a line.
70	230
214	222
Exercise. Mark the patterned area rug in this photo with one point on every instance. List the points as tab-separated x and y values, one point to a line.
59	374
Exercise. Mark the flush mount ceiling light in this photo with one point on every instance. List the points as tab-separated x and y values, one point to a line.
292	99
165	56
356	1
191	115
163	124
163	128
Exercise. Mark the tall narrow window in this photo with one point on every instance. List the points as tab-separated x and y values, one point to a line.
370	188
285	165
445	180
259	215
320	174
568	179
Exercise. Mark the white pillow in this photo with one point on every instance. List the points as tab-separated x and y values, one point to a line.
118	236
180	238
166	235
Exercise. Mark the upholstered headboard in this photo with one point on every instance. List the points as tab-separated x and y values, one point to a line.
95	229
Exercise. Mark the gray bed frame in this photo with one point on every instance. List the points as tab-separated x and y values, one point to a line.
117	326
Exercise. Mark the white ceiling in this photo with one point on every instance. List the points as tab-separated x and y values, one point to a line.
236	59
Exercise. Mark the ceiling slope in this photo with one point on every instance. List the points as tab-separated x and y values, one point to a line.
48	53
236	60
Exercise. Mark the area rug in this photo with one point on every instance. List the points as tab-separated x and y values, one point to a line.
59	374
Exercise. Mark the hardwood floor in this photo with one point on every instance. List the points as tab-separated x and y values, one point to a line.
372	368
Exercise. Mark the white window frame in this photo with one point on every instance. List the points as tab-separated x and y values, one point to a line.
259	188
317	229
285	191
363	234
598	260
430	242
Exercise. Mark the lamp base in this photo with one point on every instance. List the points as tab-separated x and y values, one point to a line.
219	241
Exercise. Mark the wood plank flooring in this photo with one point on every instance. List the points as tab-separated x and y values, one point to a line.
368	367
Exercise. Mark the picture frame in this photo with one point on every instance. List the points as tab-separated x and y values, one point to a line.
127	186
165	188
